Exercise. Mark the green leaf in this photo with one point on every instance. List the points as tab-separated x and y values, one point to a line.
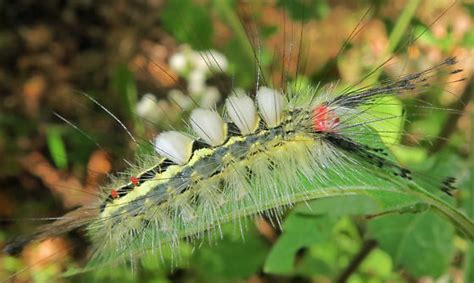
372	202
421	243
299	231
387	118
192	26
56	147
125	85
231	258
306	10
468	40
378	264
409	154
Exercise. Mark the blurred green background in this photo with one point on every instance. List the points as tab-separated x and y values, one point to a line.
118	51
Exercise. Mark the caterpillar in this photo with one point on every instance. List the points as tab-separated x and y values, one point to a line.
268	150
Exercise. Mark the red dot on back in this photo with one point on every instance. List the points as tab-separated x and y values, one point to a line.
114	194
134	180
324	120
320	115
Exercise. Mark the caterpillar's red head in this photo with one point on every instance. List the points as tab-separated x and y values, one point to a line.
324	120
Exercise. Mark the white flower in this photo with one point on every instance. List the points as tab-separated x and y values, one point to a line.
196	81
209	97
178	97
178	62
147	108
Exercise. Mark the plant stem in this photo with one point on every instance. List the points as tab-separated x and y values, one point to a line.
368	246
449	126
461	221
228	14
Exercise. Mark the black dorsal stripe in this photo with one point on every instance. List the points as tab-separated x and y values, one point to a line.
233	130
198	144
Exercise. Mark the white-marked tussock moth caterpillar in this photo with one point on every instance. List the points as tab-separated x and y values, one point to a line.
284	140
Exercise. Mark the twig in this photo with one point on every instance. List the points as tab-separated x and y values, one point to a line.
357	260
450	126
